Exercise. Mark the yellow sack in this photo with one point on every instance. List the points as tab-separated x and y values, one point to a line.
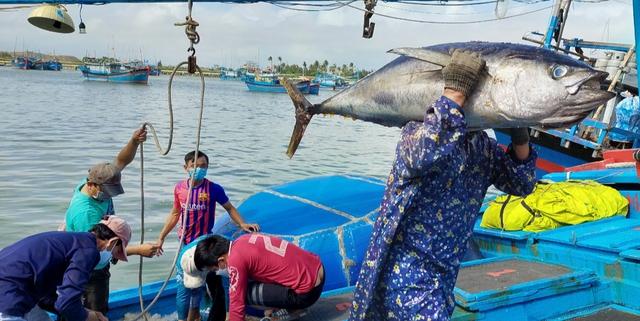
552	205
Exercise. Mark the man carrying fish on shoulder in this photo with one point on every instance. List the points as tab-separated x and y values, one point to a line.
434	192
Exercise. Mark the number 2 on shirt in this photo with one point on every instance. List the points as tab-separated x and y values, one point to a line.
281	250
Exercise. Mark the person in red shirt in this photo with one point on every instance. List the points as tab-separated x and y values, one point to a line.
264	271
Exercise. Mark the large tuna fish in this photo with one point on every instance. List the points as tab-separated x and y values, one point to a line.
524	86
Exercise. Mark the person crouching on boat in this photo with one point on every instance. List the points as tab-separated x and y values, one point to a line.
434	192
264	271
198	221
51	269
189	291
92	201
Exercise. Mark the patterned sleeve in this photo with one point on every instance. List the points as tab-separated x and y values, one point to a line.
426	144
237	289
511	175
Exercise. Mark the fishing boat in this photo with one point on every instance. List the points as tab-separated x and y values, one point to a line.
154	71
115	72
329	80
580	272
23	62
229	74
47	65
314	89
271	84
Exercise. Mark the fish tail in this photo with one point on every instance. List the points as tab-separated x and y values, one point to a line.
303	116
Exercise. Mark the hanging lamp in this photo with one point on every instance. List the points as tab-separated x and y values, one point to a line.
52	17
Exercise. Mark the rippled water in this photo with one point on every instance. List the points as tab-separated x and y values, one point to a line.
54	126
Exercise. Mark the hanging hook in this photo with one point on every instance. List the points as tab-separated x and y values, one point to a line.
193	36
367	30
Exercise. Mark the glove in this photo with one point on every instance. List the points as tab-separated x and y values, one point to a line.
519	136
463	72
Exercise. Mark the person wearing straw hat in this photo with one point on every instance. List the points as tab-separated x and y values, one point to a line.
50	269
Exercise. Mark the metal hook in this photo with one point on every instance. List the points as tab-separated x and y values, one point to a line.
367	29
194	38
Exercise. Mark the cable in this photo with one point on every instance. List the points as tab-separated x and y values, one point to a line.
448	4
293	3
18	7
491	11
449	22
333	6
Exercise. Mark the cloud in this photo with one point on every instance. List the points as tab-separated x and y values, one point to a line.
235	33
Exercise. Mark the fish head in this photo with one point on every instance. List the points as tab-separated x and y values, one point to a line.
539	87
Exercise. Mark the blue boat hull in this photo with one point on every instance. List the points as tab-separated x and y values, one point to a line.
140	76
48	65
269	87
314	89
23	63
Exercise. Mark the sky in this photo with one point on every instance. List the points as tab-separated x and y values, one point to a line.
232	34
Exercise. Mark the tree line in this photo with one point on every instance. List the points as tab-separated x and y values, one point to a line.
346	70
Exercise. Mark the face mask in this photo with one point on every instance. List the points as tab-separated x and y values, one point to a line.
105	257
101	196
199	175
223	272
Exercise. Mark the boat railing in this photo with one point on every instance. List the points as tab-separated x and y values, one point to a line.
598	143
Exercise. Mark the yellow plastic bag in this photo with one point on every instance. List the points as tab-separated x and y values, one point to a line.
552	205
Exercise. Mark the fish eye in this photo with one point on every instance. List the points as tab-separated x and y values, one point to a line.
559	71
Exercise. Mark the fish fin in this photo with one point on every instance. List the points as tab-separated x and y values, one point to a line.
430	56
303	115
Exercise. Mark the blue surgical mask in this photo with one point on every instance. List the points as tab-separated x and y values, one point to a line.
223	272
200	173
105	257
101	196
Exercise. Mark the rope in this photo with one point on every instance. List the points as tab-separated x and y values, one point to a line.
142	222
144	310
162	152
194	38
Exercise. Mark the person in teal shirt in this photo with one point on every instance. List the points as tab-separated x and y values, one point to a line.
91	201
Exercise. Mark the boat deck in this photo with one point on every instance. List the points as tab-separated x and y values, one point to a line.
586	272
330	308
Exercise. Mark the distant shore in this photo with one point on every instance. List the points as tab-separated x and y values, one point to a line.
285	70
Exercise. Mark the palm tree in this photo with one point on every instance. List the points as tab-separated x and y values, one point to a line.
304	67
270	59
325	65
